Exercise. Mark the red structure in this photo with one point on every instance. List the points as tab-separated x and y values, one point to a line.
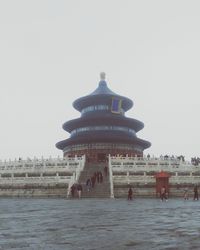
103	127
162	180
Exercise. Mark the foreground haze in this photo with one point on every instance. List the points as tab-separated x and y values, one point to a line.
52	53
141	224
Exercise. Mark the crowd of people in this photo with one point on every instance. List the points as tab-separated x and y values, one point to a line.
168	157
195	161
195	193
164	195
97	177
76	188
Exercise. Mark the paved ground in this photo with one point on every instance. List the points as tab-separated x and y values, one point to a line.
99	224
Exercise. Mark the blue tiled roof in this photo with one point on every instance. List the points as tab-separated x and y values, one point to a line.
103	89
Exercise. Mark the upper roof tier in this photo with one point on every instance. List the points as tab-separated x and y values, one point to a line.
101	95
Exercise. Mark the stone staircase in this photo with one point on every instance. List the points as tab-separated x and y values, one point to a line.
100	190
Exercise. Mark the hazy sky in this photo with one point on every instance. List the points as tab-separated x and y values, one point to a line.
51	53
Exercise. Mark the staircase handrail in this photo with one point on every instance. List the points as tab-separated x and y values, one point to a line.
71	183
110	177
76	175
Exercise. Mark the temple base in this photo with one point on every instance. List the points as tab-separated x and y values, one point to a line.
98	152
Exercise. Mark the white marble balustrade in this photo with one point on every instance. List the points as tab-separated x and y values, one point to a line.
137	164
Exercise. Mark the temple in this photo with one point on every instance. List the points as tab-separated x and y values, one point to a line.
103	128
104	156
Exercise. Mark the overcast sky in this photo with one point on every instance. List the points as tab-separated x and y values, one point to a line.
51	53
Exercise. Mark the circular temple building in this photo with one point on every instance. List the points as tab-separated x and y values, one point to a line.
103	127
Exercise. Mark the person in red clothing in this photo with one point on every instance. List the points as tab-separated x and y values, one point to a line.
93	180
196	194
130	193
163	193
88	184
73	188
105	170
100	177
79	189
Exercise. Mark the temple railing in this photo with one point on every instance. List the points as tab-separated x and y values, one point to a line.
137	164
129	170
75	177
110	177
42	171
51	164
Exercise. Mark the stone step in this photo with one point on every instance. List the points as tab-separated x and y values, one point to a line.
100	190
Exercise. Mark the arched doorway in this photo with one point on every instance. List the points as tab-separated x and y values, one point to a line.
162	180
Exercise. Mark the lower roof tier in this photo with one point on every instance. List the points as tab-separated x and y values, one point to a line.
98	151
101	138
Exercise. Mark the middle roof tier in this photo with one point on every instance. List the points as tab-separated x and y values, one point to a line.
104	120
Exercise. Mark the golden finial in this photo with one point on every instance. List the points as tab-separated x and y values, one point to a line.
102	76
